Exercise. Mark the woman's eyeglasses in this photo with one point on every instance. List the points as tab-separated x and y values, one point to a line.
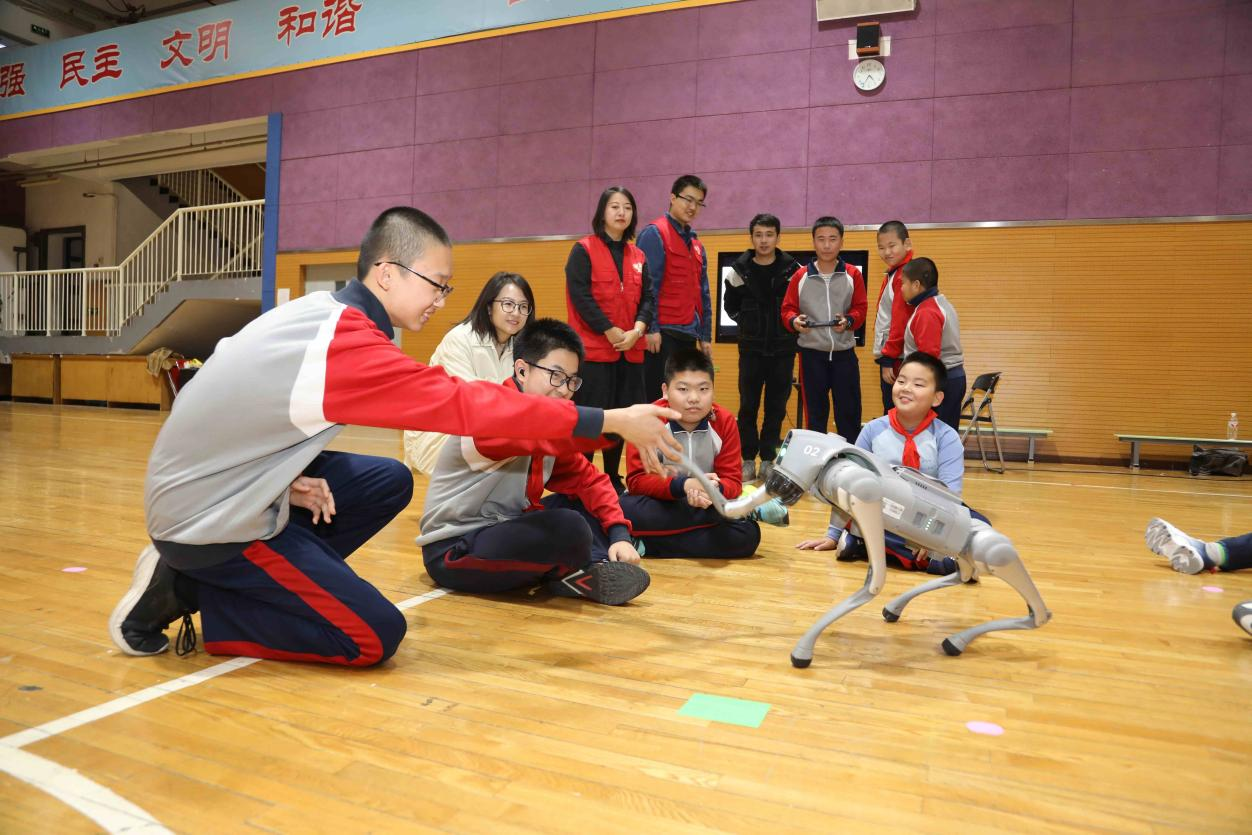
508	306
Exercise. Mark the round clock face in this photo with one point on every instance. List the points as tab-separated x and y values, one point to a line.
869	74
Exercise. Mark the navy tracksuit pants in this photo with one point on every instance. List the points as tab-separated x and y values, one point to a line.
519	553
823	376
293	597
675	529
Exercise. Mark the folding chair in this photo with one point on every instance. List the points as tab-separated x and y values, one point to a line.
978	409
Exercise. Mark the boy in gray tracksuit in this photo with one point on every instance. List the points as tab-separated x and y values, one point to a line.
825	304
486	527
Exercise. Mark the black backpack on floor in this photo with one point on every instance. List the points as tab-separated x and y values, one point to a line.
1217	461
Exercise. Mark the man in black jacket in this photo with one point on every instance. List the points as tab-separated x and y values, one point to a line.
755	286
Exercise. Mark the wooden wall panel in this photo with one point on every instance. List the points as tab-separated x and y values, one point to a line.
36	375
1097	328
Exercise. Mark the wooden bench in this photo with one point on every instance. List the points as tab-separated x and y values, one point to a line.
1031	435
1136	440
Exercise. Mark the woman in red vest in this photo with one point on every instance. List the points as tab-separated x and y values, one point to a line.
609	298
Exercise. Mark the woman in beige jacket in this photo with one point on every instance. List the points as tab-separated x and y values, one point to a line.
479	347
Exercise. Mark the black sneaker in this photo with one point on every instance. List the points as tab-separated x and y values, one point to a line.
852	550
139	620
611	583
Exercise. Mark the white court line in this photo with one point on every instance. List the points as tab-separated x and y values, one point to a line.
112	812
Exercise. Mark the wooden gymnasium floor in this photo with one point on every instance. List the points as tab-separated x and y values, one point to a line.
1130	712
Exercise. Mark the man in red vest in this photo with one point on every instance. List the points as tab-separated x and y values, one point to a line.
678	265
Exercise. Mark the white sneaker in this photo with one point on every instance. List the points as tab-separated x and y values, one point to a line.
1185	553
1243	616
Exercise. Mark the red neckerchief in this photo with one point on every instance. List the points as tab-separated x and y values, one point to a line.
911	457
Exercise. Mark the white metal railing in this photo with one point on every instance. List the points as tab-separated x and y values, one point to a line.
203	242
199	188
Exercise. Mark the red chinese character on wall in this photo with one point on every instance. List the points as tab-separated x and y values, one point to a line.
292	23
12	80
72	69
174	43
214	37
339	15
106	62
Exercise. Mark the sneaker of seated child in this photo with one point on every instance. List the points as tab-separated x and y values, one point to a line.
1185	553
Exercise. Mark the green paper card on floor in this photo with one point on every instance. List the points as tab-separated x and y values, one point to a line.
723	709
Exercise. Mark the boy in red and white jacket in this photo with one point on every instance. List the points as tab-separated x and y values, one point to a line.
933	328
896	250
825	304
671	514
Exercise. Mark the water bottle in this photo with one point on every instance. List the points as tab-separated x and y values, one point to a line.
1232	427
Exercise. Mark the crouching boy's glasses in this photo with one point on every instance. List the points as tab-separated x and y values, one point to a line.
445	290
560	378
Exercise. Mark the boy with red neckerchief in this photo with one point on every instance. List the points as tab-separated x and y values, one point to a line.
910	434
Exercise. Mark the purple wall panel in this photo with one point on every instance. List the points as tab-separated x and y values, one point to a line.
464	114
244	99
547	157
1006	188
746	141
1002	124
549	53
547	104
378	124
1030	58
311	180
642	93
1234	195
615	148
538	209
1119	50
753	28
466	215
668	38
371	173
1237	110
890	131
460	66
1152	183
127	118
742	194
71	127
306	225
315	88
910	74
450	166
1239	39
725	85
981	15
1094	9
311	133
870	193
353	217
1161	114
918	23
182	109
27	134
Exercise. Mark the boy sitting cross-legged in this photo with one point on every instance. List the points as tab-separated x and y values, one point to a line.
484	526
910	434
672	515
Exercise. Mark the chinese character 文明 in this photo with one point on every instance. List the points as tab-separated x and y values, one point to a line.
339	15
292	23
214	37
12	80
106	62
174	43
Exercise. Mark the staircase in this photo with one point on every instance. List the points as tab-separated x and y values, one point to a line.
196	252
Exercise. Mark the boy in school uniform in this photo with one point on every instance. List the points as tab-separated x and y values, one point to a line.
755	287
934	328
486	527
252	520
679	267
910	435
672	515
896	250
825	304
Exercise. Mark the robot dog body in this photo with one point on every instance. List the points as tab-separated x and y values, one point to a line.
879	496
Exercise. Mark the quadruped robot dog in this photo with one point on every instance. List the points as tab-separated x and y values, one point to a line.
879	496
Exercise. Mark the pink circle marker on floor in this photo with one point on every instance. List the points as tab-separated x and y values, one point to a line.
985	728
1212	589
74	569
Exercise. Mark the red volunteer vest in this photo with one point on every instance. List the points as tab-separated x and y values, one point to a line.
680	289
617	297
